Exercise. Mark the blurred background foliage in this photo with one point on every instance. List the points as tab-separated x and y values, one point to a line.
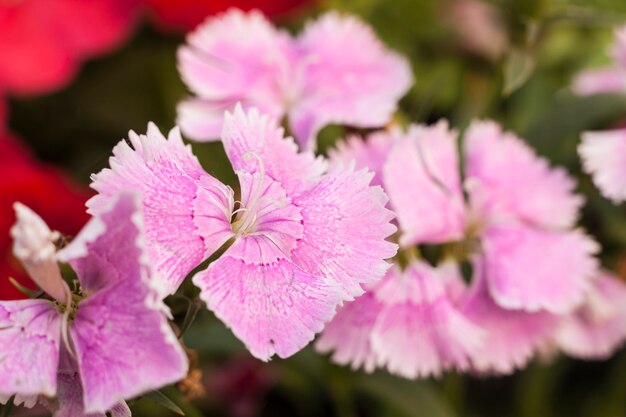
521	79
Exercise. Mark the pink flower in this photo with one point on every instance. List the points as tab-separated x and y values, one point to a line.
505	232
596	329
611	79
304	238
82	348
408	323
42	43
336	71
604	157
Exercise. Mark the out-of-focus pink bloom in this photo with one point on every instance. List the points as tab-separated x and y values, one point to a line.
509	231
116	312
43	42
611	79
305	238
336	71
604	157
597	328
479	27
420	332
512	337
184	15
408	324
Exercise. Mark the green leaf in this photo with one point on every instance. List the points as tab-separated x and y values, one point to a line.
161	399
6	409
192	312
518	68
407	398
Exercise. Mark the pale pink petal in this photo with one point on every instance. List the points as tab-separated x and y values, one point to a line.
178	199
124	345
274	309
269	226
254	143
604	157
419	331
512	337
370	153
422	178
237	56
598	328
600	81
33	246
345	226
202	120
30	334
348	334
349	77
531	269
499	162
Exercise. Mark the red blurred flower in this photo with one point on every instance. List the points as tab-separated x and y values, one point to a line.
42	42
44	189
184	15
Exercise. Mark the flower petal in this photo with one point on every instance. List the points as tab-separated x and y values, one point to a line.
531	269
604	157
499	162
349	77
348	334
274	309
600	81
422	178
345	226
597	329
511	336
254	143
237	56
419	332
30	335
178	199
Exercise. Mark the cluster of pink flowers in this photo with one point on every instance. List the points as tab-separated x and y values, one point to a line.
535	285
303	243
604	153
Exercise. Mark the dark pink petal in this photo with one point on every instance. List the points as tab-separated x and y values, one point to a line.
123	342
422	178
531	269
274	309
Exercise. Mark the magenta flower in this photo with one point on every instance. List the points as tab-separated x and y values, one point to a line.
513	297
304	238
336	71
104	343
610	79
603	156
